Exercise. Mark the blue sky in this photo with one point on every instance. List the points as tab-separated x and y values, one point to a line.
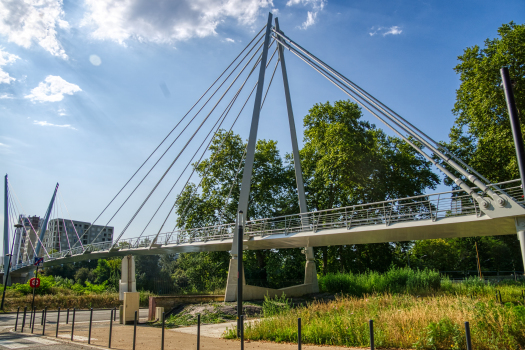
80	83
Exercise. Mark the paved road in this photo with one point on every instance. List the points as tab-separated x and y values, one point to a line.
10	340
80	317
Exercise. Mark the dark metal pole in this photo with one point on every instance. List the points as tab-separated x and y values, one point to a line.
67	316
6	279
42	318
44	323
135	330
242	332
16	323
110	328
371	323
115	314
34	289
163	323
299	333
73	324
467	334
514	123
90	323
33	321
58	322
199	331
239	270
24	319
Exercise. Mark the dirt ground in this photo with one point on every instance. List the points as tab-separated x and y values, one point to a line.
178	339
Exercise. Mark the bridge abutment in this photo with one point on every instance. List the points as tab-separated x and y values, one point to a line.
127	283
310	284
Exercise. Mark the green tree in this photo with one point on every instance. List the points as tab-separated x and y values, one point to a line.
481	135
348	161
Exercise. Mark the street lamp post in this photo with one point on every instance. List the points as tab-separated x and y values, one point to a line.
7	275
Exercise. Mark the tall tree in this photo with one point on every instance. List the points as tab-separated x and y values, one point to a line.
481	134
348	161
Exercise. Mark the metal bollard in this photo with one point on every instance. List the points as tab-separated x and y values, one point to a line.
16	323
90	323
58	322
371	323
73	324
199	331
67	317
33	321
501	301
467	334
115	314
31	318
110	328
24	319
135	330
163	322
242	332
44	322
42	318
299	333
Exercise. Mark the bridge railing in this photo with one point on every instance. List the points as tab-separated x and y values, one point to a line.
425	207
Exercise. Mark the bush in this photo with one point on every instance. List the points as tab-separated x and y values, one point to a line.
276	306
395	280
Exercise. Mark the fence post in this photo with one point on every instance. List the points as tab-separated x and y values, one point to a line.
162	341
115	314
371	323
110	328
73	324
199	331
44	322
33	321
58	322
135	330
16	323
299	333
90	323
67	317
242	332
24	319
467	334
42	318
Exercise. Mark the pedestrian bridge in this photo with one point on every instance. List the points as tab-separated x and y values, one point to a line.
440	215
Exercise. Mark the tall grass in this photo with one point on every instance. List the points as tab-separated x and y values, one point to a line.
395	280
400	321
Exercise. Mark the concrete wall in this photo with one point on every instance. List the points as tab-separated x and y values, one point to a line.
169	302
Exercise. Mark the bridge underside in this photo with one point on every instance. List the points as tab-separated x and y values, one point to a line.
463	226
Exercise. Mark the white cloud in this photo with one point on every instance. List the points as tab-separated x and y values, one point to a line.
4	145
230	40
310	19
6	58
311	16
62	112
52	89
6	97
163	21
28	21
44	123
394	30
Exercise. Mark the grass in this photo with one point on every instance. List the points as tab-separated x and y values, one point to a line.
400	321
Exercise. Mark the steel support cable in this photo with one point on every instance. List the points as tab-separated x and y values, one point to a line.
24	226
65	229
226	202
341	86
180	133
409	127
220	146
223	117
186	145
206	172
180	121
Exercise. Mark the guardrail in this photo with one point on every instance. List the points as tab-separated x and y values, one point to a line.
425	207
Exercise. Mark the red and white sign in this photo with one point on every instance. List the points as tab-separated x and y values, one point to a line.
34	282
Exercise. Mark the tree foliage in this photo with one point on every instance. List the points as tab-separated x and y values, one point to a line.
481	135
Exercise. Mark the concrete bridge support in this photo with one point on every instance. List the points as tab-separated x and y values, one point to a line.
127	282
520	227
310	284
